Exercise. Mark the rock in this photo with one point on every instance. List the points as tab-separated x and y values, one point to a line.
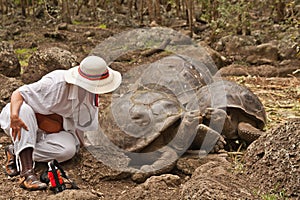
262	54
235	45
218	59
74	194
190	162
198	28
285	68
214	180
245	48
55	35
273	160
62	26
8	85
287	51
168	179
89	34
165	185
9	63
289	67
45	61
242	70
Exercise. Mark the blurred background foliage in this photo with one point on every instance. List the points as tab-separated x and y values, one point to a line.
208	10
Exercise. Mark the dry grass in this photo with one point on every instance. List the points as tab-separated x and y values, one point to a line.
280	96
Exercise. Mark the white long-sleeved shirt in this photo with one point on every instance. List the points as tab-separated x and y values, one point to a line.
52	94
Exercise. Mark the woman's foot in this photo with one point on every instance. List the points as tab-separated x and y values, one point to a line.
10	165
30	181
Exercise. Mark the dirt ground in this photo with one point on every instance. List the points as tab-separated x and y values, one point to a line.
280	96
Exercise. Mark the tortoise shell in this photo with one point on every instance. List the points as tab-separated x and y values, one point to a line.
226	95
141	111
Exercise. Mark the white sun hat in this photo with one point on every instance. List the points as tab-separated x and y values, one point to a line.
94	75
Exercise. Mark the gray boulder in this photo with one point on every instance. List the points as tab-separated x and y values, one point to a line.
45	61
214	180
9	63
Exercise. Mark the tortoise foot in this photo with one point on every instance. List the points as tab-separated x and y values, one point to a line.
212	141
220	145
248	133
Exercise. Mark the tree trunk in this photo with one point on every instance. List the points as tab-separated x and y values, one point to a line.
2	11
214	9
66	12
151	10
190	17
280	11
23	7
130	5
79	6
157	12
33	7
94	8
140	9
178	8
27	6
1	6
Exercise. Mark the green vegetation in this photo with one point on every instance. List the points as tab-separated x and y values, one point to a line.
103	26
272	196
237	158
24	55
76	22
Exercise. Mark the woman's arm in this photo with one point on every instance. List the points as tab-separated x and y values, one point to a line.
15	122
80	136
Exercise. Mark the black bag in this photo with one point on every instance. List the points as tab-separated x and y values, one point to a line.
54	176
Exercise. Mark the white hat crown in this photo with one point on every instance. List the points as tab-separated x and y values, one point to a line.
94	75
93	68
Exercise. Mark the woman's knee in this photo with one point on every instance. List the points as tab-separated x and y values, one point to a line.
26	110
66	153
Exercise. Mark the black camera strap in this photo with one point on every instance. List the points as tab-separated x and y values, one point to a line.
63	174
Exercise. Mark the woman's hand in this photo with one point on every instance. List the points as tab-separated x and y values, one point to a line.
16	124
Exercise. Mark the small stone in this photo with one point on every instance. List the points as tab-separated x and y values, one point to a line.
62	26
89	34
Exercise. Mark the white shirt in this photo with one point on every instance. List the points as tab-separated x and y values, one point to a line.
52	94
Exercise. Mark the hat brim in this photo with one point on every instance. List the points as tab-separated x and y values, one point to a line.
106	85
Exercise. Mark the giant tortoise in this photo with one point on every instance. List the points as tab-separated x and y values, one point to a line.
147	119
152	127
230	109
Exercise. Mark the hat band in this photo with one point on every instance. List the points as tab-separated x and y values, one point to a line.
93	77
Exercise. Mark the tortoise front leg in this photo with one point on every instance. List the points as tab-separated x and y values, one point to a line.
248	132
220	121
208	140
164	155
